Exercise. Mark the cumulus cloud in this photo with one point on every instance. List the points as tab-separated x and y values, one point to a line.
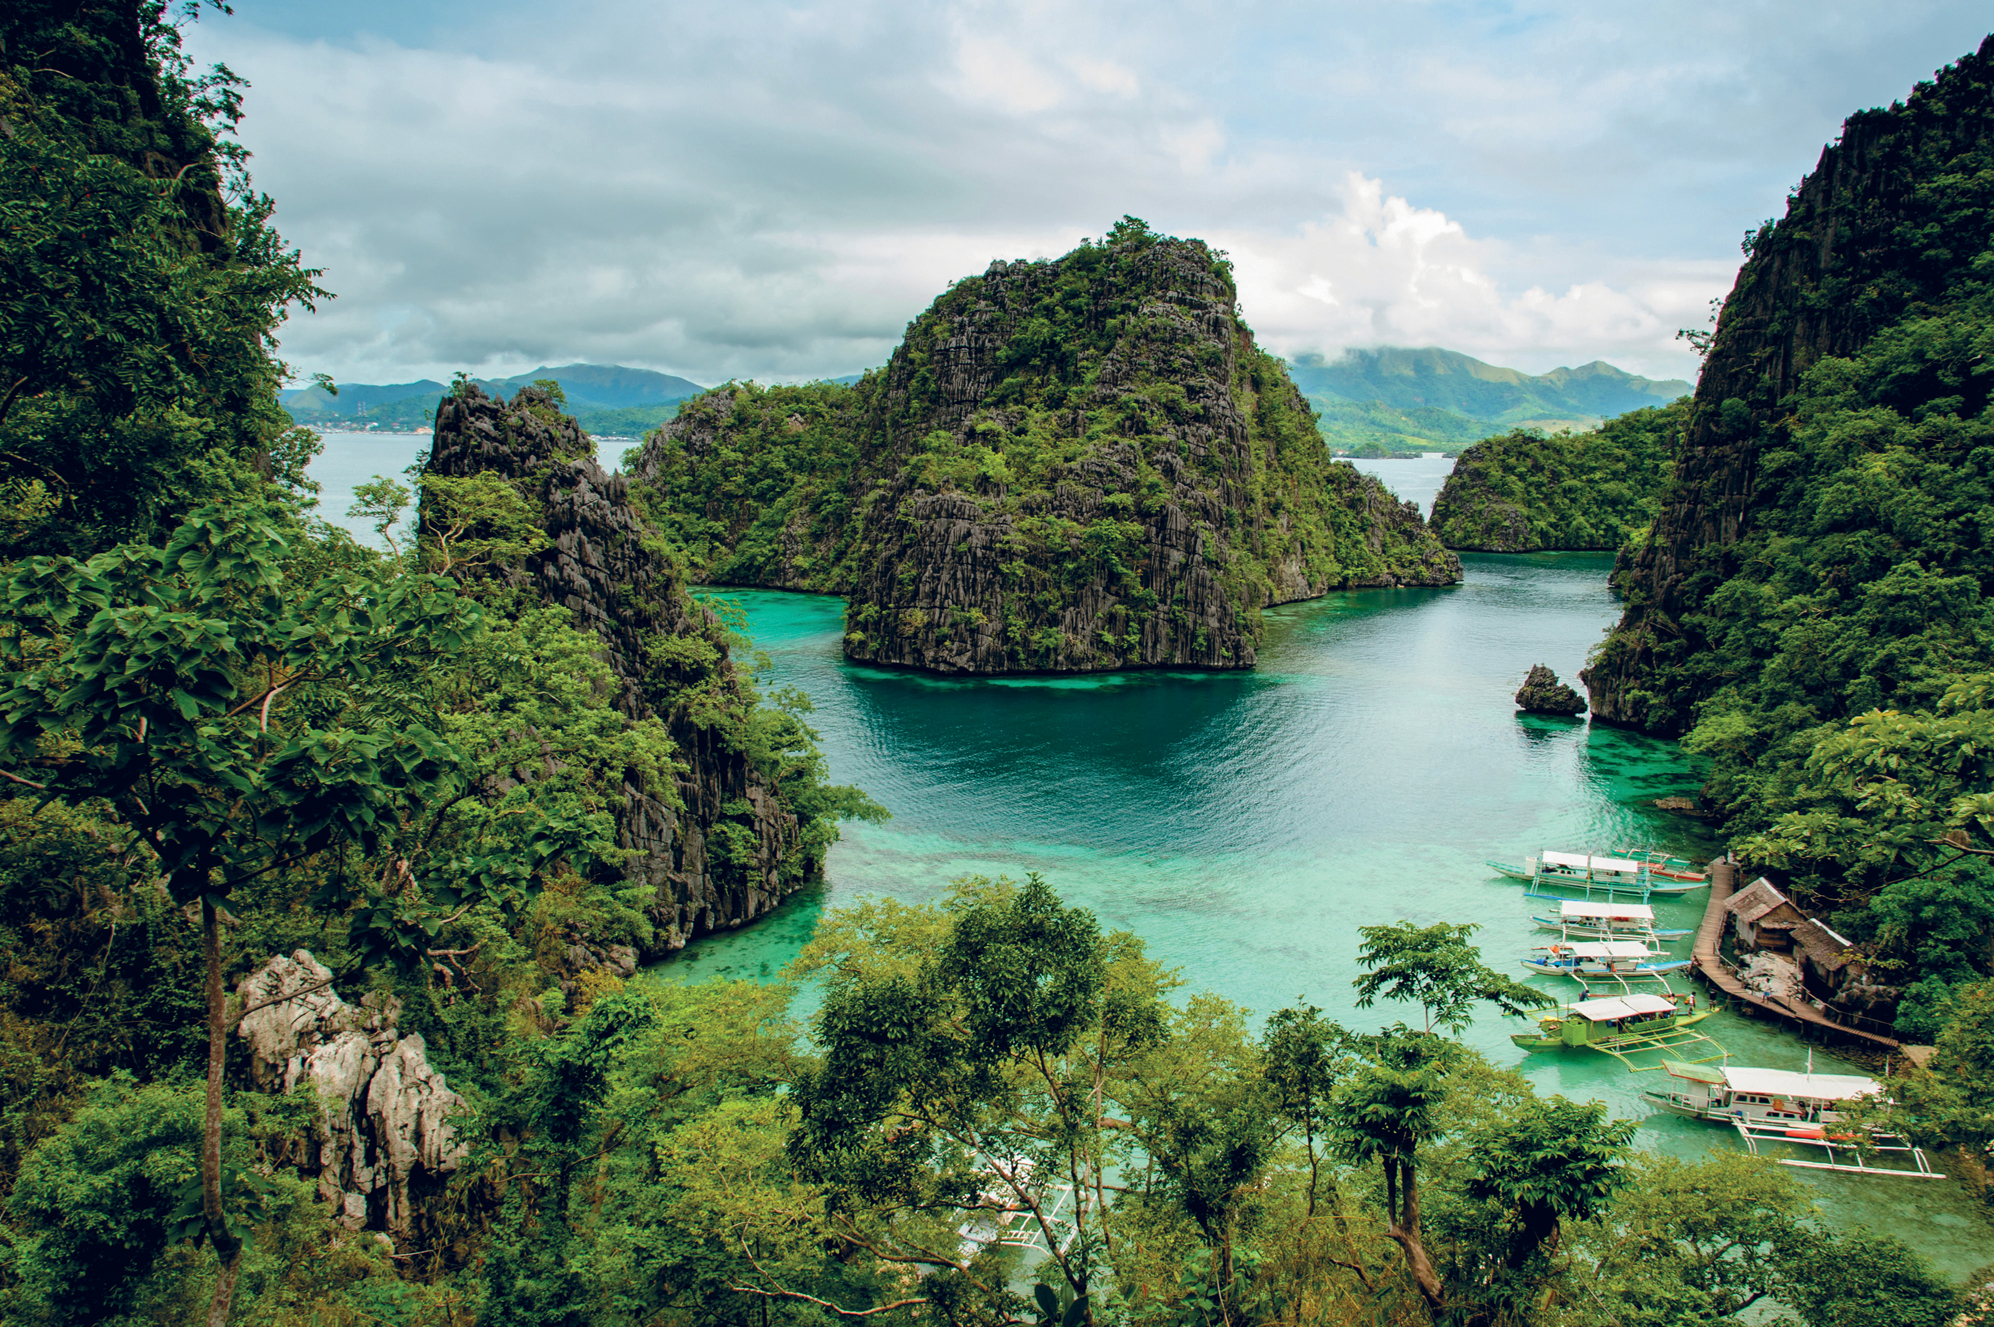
774	188
1382	271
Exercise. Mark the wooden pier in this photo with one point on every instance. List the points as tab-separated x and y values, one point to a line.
1711	967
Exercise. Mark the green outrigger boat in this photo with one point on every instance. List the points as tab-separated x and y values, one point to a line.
1593	877
1624	1026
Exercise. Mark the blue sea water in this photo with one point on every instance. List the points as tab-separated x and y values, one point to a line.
1246	824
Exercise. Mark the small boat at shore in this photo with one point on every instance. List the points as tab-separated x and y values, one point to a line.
1590	919
1624	1026
1665	866
1594	876
1601	958
1782	1106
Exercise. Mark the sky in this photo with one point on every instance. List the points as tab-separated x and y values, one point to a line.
774	190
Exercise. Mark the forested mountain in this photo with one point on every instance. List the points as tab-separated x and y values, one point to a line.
1397	399
245	757
1526	490
1810	606
1078	464
606	398
325	871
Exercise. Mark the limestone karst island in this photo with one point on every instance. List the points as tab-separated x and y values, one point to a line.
784	666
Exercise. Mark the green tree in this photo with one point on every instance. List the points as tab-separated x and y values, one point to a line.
140	284
1552	1162
1385	1111
1856	1279
213	704
1436	968
970	1060
1689	1242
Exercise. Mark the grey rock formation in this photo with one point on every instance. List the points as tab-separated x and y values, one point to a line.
1074	465
1857	247
383	1128
1543	693
604	566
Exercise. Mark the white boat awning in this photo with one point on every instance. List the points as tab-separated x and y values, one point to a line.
1575	910
1787	1083
1578	861
1609	949
1621	1006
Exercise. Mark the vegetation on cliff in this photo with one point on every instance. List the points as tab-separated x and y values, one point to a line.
231	732
1084	463
1810	607
1527	490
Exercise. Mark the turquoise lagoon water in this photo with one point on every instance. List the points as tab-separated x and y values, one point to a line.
1245	825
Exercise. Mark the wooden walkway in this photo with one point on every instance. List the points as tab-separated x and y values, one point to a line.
1723	881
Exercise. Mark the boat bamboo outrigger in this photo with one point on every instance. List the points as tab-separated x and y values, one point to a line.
1781	1106
1619	963
1005	1219
1601	877
1601	958
1592	919
1626	1025
1661	864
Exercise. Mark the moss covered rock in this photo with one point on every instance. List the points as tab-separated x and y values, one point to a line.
1543	693
1068	465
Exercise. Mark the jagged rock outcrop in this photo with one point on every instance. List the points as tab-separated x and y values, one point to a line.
600	567
1543	693
383	1134
1069	465
1890	221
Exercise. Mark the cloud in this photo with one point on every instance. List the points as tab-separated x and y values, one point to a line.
775	189
1382	271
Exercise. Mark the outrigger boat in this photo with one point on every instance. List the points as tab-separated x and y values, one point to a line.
1781	1106
1627	1025
1601	958
1661	864
1588	919
1605	876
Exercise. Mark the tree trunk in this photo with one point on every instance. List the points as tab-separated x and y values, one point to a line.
1405	1231
227	1247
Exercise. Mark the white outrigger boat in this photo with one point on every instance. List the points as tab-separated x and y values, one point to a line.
1590	919
1781	1106
1661	864
1601	958
1603	876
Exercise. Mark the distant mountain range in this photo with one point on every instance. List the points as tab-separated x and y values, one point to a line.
1372	402
1394	399
608	398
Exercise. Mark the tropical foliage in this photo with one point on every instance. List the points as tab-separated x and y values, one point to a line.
1527	490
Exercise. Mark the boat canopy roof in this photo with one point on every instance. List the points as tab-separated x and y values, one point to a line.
1695	1073
1579	861
1606	949
1787	1083
1621	1006
1579	909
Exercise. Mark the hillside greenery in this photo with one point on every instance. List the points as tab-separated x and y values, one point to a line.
1527	490
1099	411
1847	668
232	732
1394	400
1832	663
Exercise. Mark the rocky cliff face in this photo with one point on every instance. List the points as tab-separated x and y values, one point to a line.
1071	465
1881	227
631	597
383	1135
